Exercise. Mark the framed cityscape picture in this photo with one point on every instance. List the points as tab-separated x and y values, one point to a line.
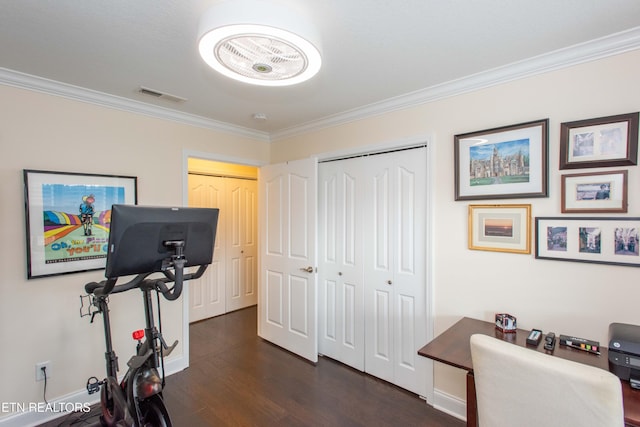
68	217
588	239
502	163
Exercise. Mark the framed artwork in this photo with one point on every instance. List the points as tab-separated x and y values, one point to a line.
597	240
602	142
68	217
500	228
502	163
595	192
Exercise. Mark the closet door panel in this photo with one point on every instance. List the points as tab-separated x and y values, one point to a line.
340	270
351	322
410	274
407	221
381	221
207	294
328	319
378	273
242	245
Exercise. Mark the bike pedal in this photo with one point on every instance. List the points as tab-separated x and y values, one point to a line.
93	385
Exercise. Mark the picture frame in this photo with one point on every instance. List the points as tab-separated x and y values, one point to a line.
598	192
600	142
600	240
500	228
502	163
67	219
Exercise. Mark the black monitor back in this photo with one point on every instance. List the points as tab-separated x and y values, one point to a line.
138	233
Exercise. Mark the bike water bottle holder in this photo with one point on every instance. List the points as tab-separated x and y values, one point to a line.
91	308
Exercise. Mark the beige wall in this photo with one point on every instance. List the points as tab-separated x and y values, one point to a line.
39	318
565	297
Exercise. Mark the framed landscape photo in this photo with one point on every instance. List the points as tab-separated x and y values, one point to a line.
500	228
604	192
596	240
502	163
68	216
602	142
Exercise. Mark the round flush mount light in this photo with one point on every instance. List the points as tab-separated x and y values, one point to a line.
259	42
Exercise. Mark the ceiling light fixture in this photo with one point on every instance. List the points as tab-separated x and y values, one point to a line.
259	42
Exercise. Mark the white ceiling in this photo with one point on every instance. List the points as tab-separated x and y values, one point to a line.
377	54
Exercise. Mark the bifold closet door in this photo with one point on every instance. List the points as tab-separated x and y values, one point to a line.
340	278
230	283
372	254
394	273
242	246
207	294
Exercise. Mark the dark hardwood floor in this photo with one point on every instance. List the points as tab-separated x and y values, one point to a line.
237	379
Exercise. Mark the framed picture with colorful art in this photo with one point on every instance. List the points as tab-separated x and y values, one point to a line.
68	217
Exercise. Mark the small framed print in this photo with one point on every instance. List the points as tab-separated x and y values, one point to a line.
500	228
601	142
502	163
595	192
611	241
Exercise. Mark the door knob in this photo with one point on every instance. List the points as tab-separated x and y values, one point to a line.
308	269
389	282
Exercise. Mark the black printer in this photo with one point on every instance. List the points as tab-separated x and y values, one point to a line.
624	352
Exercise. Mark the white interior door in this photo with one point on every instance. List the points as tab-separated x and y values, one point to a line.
372	255
395	273
340	276
287	289
207	294
242	245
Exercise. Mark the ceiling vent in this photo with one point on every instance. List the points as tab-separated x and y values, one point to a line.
162	95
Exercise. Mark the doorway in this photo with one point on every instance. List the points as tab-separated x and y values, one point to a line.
230	283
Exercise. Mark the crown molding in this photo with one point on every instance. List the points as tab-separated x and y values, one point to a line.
26	81
574	55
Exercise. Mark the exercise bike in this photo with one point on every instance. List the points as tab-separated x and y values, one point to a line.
137	399
140	240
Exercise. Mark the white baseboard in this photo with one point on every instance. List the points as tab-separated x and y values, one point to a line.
450	404
28	416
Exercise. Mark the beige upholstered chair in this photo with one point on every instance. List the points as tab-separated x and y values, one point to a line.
520	387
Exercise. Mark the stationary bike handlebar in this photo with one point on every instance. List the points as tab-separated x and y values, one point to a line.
108	286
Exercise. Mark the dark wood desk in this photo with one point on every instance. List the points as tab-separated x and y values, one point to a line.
452	348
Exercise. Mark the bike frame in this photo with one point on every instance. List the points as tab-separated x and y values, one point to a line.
141	385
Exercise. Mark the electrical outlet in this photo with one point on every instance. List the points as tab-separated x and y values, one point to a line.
39	373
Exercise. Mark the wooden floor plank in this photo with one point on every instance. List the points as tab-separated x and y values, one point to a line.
237	379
